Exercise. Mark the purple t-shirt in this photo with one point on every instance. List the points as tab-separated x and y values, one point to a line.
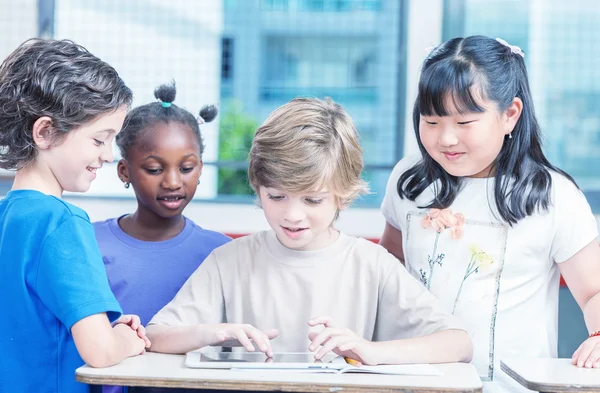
144	276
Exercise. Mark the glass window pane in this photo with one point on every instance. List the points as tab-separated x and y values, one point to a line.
561	41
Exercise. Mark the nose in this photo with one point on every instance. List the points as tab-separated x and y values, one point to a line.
107	154
294	212
171	179
448	137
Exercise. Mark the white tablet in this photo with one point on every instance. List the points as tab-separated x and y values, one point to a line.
258	360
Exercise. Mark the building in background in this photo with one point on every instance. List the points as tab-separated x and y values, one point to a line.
349	50
561	41
151	42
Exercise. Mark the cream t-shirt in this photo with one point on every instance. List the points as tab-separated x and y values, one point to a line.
501	281
258	281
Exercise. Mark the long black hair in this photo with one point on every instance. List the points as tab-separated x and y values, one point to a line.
453	70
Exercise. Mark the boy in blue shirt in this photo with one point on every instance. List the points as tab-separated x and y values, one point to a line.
61	109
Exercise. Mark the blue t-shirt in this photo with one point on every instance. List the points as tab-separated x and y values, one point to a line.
144	276
51	276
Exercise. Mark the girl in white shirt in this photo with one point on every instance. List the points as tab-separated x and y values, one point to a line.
482	218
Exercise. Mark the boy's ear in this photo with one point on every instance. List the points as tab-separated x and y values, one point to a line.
123	171
513	113
42	132
200	167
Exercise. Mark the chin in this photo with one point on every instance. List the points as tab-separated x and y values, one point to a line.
80	188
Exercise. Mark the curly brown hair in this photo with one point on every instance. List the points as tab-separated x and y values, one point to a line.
58	79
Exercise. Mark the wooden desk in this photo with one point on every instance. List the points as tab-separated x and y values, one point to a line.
160	370
552	375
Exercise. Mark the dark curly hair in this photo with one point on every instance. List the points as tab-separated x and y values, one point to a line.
54	78
146	116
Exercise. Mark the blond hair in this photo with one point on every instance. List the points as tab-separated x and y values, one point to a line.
306	145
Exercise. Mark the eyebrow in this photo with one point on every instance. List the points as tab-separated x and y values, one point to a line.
109	130
160	158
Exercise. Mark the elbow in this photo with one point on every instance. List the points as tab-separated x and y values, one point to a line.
99	359
102	353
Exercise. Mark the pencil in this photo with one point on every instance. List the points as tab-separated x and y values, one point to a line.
352	362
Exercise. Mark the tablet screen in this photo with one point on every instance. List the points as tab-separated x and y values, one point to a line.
258	357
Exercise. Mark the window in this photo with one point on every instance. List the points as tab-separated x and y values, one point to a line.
226	68
249	57
561	41
342	68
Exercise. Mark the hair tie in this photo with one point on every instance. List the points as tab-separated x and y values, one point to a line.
200	120
513	48
166	104
429	49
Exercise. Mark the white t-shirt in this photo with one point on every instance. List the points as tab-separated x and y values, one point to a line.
501	281
258	281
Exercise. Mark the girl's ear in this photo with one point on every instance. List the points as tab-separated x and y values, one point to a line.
200	167
123	171
513	113
42	132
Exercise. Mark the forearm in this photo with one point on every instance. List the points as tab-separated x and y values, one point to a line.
178	339
446	346
591	313
101	345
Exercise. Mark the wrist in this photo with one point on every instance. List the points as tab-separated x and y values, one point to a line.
383	352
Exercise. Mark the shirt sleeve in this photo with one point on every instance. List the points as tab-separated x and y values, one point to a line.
71	280
574	223
406	308
199	301
391	207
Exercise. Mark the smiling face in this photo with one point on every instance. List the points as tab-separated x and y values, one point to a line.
73	162
301	221
163	166
467	144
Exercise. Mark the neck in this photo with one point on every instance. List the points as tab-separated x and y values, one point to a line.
147	226
33	177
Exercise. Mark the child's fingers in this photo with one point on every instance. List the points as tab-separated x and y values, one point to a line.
135	322
123	319
322	337
593	357
322	320
244	341
575	356
584	353
271	333
259	338
332	344
141	331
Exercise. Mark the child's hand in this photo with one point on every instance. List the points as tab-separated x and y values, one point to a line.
235	335
343	342
133	321
588	353
129	335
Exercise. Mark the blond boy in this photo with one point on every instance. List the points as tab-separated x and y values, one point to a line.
303	285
